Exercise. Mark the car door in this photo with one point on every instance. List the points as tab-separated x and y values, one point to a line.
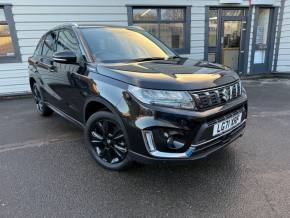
34	60
71	77
46	68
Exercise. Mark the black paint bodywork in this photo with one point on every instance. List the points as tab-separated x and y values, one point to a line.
73	90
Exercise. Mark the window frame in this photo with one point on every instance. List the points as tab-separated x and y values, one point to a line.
79	51
268	64
186	22
38	48
248	25
43	42
57	30
16	58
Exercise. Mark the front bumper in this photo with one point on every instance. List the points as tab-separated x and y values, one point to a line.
145	126
195	151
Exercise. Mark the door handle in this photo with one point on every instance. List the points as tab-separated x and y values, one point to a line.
51	68
46	66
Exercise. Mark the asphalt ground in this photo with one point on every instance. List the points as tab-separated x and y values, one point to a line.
45	170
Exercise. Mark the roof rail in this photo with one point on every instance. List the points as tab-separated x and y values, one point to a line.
75	24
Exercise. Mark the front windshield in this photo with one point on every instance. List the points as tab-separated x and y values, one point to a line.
109	44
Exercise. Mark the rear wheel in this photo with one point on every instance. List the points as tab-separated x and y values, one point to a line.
41	107
106	141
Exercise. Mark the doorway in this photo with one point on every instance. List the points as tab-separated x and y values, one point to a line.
227	28
231	43
263	39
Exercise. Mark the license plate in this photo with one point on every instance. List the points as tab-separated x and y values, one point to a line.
227	124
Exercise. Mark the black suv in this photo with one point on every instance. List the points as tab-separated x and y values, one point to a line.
136	99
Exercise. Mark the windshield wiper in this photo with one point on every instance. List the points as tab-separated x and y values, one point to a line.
173	57
155	58
148	59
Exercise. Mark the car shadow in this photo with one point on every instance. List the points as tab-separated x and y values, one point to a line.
208	183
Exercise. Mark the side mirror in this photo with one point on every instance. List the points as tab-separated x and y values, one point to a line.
65	57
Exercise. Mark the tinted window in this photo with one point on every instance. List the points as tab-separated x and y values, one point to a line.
49	44
115	44
38	48
67	41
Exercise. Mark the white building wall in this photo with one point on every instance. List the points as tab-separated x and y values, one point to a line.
283	64
251	39
33	18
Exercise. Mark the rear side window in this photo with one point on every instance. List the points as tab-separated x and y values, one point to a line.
67	41
38	47
49	45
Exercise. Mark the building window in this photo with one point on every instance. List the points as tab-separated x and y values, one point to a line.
9	49
262	34
212	34
170	24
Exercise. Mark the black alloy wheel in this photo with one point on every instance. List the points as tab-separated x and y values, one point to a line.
106	141
40	105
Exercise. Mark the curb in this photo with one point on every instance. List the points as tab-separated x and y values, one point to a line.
266	76
16	96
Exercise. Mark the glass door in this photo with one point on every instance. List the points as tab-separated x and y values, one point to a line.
226	32
262	40
213	36
231	43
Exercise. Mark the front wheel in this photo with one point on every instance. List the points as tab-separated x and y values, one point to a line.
106	140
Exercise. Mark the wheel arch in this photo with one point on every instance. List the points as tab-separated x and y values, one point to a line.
31	82
97	104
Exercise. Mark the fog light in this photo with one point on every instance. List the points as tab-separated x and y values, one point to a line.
175	142
172	144
161	139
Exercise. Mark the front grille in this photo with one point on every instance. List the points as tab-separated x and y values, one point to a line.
217	96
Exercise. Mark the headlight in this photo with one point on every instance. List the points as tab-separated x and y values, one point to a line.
175	99
243	90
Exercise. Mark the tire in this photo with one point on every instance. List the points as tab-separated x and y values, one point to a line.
106	140
41	107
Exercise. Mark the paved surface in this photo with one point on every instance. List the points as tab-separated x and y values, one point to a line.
45	170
